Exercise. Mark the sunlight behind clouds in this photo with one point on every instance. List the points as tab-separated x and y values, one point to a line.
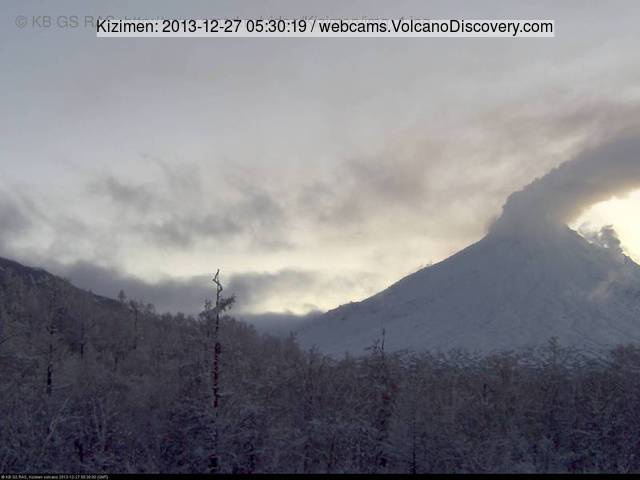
623	213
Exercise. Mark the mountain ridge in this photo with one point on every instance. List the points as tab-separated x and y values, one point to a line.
36	277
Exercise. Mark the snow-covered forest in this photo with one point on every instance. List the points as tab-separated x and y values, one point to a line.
95	385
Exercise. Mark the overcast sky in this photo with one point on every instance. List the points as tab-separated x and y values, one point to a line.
313	172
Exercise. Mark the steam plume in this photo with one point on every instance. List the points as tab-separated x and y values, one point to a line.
595	175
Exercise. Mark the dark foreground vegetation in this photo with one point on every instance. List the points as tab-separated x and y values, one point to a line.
90	385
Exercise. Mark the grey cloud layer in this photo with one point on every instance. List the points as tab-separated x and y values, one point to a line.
17	217
13	220
188	295
187	205
418	185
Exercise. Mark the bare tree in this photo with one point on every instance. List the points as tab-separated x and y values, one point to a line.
214	460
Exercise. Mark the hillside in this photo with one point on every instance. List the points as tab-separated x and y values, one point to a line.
512	289
39	281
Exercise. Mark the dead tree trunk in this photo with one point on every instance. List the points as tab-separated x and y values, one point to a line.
214	460
134	305
83	339
53	297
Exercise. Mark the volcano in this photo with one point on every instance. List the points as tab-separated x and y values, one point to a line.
506	291
529	279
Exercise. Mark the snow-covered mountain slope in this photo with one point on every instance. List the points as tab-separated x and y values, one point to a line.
512	289
40	281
